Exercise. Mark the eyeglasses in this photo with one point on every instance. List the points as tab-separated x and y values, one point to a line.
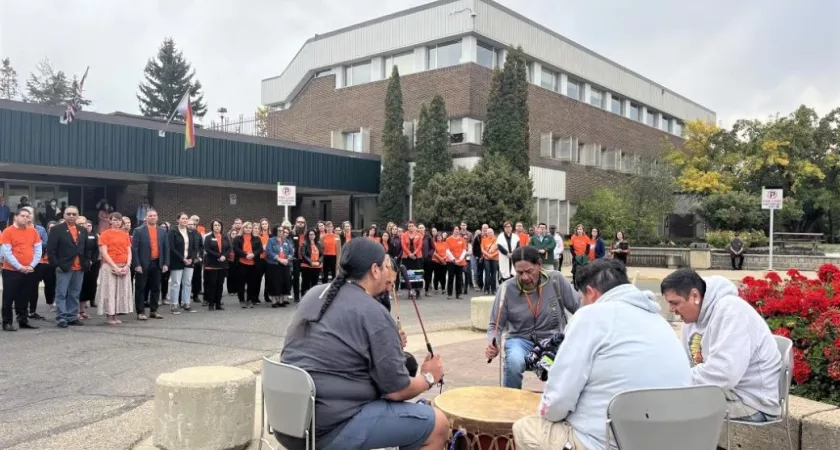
71	214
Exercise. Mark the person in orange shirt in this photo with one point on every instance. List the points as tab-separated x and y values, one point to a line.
524	237
330	242
456	261
67	250
439	262
311	261
247	248
150	259
115	296
490	255
21	249
197	285
412	251
580	248
264	233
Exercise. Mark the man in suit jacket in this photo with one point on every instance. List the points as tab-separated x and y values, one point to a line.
150	259
67	251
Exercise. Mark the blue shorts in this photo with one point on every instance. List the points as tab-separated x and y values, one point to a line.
383	423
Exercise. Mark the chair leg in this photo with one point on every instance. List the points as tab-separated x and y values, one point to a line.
787	428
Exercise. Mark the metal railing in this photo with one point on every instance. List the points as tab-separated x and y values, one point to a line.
257	125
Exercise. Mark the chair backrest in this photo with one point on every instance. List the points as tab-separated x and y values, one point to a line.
688	418
785	347
289	394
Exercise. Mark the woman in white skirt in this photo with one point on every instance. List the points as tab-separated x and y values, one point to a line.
115	292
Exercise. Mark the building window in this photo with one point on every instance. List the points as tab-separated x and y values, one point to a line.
664	124
650	118
353	141
616	105
456	131
635	113
357	74
574	89
403	61
444	55
678	127
549	79
554	213
596	97
563	149
542	214
488	56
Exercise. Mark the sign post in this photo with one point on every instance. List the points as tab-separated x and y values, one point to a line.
771	199
286	197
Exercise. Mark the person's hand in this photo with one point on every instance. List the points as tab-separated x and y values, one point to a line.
249	256
27	269
164	269
403	339
222	258
434	366
542	251
187	262
491	351
138	269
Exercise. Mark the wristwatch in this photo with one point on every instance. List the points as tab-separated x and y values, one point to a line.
429	379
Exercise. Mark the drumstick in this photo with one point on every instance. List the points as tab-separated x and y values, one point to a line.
396	307
498	317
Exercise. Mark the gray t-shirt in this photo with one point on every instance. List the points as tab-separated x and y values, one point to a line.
353	353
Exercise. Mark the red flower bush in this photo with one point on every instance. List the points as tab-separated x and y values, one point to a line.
808	312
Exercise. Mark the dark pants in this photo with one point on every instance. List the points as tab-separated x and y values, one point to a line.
455	279
49	282
196	281
558	262
480	267
147	288
428	273
329	268
88	293
296	279
249	287
214	283
411	264
440	276
491	271
466	273
309	278
737	262
37	277
17	291
234	280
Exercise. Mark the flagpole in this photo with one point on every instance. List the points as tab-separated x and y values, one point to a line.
162	132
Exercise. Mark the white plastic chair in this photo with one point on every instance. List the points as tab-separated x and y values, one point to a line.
288	404
785	347
688	418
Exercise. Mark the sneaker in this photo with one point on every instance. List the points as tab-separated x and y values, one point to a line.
142	317
175	311
36	316
52	308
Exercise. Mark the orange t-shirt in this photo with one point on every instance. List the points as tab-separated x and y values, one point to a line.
579	243
440	252
489	249
247	248
119	244
457	246
201	230
314	256
74	233
264	237
218	237
330	243
524	239
23	243
153	242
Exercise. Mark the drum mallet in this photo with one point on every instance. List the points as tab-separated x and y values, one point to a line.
404	273
496	333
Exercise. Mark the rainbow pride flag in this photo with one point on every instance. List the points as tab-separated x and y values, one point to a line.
186	111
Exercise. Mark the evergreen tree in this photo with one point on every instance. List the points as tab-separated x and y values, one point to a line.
74	89
506	132
9	88
432	148
393	190
46	86
168	77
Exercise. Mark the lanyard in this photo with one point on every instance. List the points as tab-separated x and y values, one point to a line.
534	311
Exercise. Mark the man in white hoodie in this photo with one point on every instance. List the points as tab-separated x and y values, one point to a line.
617	342
728	343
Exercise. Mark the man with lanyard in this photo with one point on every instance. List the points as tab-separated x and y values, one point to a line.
531	307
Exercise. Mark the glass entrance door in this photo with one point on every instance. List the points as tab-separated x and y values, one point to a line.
45	202
18	194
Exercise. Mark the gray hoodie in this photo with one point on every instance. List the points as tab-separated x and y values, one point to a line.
731	346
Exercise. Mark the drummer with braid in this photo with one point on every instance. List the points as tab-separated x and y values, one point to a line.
531	307
349	344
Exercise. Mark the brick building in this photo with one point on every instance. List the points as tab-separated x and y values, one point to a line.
592	120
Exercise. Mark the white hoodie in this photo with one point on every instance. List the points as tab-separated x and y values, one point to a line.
616	344
737	350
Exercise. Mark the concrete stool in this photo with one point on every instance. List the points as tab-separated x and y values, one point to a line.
480	311
205	408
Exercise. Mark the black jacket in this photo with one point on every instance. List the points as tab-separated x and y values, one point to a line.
176	248
141	251
212	253
62	250
306	254
92	249
256	247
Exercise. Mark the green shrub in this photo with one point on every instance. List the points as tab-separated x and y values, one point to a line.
720	239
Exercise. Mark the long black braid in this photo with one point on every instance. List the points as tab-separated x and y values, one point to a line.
330	294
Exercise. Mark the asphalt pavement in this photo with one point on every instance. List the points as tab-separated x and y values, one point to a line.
57	380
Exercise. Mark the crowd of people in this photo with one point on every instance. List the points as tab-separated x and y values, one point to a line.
615	340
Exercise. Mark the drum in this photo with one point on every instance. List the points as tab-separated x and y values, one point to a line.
482	417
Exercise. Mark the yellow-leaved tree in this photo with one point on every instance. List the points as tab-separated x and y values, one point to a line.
707	159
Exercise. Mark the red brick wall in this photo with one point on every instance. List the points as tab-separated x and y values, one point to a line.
321	108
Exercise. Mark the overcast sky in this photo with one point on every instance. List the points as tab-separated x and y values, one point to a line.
741	58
